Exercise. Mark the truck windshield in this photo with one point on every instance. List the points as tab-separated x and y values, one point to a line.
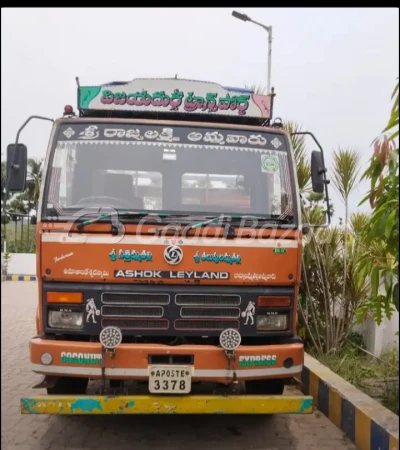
179	170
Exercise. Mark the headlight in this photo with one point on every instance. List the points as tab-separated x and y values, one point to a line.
66	320
278	322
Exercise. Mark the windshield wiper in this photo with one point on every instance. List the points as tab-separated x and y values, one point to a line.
82	225
215	219
223	218
231	219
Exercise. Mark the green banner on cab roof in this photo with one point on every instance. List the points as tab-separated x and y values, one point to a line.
174	96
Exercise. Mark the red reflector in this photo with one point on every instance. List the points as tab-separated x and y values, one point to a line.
273	301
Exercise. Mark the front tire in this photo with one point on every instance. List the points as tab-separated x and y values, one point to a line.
69	386
265	387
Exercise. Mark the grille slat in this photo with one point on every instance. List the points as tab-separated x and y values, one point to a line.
207	300
136	324
201	324
132	311
132	298
194	312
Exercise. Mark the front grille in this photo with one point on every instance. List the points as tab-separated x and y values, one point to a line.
132	311
210	312
128	298
136	324
207	300
201	324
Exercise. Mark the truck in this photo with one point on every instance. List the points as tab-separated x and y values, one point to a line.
168	243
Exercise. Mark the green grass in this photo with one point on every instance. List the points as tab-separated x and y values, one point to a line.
357	367
14	242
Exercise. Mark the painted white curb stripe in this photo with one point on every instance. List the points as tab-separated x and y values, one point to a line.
240	373
272	242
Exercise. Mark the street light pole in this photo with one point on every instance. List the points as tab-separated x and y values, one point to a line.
268	29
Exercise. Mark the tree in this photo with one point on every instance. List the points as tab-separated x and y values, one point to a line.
3	178
345	178
34	181
330	289
4	217
19	205
380	261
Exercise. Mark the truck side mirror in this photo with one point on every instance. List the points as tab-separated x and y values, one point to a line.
317	172
33	220
17	162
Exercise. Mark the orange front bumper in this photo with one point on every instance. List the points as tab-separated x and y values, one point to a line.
85	359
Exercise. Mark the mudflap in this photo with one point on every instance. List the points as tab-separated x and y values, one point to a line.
145	404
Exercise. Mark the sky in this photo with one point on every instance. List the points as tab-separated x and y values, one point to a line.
333	69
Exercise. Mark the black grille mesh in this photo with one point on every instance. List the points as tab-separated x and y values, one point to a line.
136	324
135	299
201	324
207	300
132	311
210	312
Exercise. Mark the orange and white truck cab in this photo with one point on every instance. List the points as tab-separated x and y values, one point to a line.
169	242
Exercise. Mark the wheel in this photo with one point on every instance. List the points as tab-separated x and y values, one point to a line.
69	385
265	387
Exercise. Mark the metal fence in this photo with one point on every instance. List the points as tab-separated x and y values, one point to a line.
18	234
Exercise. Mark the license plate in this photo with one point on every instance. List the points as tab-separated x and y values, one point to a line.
170	379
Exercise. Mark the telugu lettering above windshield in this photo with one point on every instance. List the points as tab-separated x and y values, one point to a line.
171	135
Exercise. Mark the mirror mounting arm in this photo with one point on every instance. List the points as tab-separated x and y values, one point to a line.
323	172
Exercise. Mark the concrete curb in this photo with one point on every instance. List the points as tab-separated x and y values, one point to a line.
18	278
366	422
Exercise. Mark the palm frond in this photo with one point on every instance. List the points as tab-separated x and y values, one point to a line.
345	171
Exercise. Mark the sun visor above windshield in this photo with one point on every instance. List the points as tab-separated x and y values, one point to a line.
172	97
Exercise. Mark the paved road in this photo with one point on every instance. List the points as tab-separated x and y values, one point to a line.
30	432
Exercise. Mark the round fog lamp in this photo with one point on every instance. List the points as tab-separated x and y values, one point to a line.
230	339
110	337
46	359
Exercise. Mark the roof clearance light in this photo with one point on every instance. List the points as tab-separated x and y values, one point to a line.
68	109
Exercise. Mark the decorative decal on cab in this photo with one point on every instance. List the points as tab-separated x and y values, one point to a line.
131	255
249	313
61	257
255	276
143	274
69	132
87	272
269	164
91	310
173	242
217	258
81	358
259	360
